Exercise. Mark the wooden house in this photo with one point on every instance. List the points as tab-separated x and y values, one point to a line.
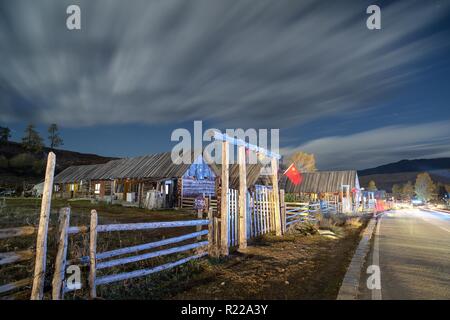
133	181
337	187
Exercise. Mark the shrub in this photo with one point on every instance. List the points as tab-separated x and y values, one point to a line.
22	162
39	166
3	162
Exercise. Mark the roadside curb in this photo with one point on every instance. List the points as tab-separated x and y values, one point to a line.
350	284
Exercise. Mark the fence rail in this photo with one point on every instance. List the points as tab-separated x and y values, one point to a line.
15	257
96	262
301	212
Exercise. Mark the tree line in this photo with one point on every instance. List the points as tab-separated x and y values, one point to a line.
424	189
30	162
31	140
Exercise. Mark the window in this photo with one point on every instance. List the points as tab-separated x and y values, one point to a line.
72	187
97	188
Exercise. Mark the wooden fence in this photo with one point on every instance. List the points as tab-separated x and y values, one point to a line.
188	203
260	213
233	217
301	212
15	257
99	260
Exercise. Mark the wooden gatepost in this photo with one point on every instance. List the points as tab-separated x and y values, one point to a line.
222	189
37	292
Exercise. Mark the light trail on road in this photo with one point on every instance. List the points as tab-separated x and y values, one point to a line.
412	249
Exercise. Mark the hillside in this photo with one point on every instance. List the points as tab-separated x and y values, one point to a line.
417	165
400	172
30	170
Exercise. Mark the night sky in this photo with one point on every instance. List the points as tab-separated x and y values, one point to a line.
137	70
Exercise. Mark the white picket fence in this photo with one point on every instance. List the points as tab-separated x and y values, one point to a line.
260	213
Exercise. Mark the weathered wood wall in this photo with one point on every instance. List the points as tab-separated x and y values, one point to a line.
193	188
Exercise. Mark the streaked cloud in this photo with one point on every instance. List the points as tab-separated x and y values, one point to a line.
366	149
247	63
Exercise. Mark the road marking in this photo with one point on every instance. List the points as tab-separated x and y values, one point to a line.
376	293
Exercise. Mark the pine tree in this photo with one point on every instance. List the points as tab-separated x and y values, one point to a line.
31	140
5	134
55	139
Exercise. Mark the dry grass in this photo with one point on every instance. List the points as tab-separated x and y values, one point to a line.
25	212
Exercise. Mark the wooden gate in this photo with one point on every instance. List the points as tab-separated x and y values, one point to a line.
260	213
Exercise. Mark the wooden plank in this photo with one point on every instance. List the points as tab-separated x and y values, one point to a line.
16	232
61	256
212	247
144	272
16	256
139	226
282	212
15	285
93	254
224	200
277	195
118	262
242	198
145	246
37	291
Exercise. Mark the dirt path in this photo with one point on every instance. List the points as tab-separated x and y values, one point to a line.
298	267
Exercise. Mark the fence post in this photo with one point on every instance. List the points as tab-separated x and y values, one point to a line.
93	254
283	212
274	166
58	283
242	198
37	291
224	200
212	231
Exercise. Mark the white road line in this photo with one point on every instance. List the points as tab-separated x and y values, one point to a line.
376	293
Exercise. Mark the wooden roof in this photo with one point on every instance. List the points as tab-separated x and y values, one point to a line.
321	181
75	173
155	166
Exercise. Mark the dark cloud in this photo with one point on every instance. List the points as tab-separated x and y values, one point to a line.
259	63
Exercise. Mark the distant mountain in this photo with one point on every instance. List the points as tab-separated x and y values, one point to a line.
400	172
409	166
14	175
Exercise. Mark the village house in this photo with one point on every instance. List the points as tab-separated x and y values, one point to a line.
139	181
336	188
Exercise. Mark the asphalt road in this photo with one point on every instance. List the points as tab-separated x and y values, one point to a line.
412	249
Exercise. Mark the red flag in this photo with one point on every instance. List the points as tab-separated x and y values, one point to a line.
294	176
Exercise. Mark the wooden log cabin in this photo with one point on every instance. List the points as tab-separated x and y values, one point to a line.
149	181
340	188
